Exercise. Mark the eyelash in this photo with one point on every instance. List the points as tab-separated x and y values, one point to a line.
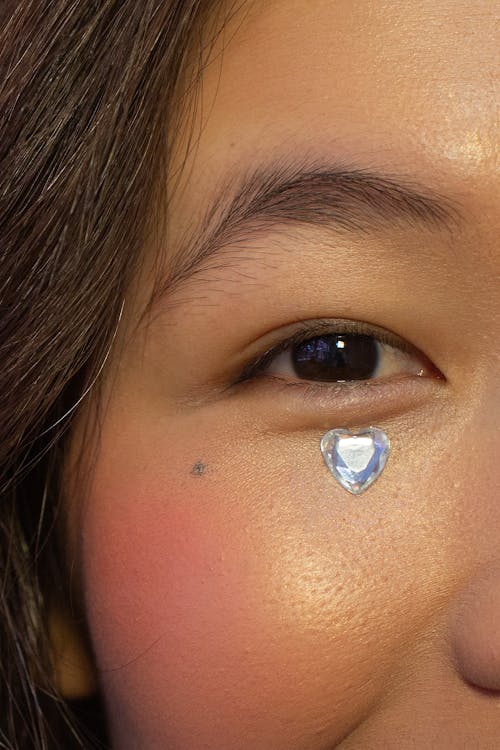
256	368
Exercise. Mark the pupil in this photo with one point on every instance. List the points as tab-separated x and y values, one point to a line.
352	356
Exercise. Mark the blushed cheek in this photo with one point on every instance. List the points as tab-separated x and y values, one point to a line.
153	567
194	640
177	618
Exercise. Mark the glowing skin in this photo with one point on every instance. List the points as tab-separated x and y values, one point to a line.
257	604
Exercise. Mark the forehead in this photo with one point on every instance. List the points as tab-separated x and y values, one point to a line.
401	86
378	66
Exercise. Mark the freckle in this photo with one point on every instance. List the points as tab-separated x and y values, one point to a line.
198	469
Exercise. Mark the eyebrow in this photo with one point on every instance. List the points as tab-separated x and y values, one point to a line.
353	200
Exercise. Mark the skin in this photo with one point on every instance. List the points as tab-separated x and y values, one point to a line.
255	603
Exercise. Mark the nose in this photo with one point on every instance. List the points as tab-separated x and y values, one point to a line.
474	628
474	612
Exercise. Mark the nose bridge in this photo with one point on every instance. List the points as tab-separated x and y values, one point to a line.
477	383
475	475
483	428
484	411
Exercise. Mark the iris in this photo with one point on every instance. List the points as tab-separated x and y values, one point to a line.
336	357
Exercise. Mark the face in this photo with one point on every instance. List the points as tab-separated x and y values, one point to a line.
345	181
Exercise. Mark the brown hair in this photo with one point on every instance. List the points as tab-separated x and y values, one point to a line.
86	93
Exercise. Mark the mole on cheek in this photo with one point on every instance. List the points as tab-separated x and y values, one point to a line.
198	469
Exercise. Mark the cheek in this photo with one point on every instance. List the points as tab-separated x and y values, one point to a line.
186	615
229	614
190	613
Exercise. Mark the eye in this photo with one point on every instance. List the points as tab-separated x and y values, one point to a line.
339	357
352	351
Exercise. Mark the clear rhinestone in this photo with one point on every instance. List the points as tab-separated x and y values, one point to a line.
355	459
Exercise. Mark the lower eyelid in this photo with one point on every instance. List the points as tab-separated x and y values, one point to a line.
337	386
283	404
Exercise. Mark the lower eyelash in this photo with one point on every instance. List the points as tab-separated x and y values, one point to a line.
311	389
342	384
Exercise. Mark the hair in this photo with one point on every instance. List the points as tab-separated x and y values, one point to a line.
88	92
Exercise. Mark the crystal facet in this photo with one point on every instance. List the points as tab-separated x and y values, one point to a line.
355	459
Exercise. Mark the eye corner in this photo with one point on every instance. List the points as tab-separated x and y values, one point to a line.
430	371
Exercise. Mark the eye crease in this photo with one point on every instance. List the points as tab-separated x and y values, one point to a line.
321	351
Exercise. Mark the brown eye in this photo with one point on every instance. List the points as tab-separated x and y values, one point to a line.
335	357
343	357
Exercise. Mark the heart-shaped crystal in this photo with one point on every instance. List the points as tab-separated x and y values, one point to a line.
355	459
